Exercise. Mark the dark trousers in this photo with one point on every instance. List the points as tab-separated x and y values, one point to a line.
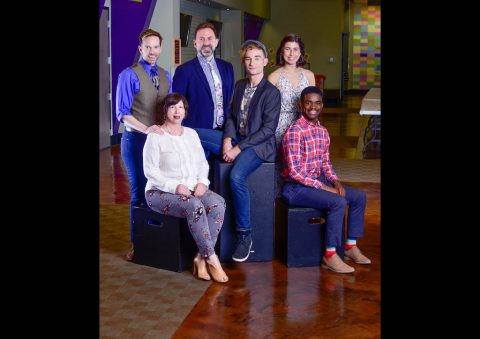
335	205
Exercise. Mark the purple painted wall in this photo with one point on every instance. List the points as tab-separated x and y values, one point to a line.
101	4
128	19
252	26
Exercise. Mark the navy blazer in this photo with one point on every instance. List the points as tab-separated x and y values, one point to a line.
191	82
262	119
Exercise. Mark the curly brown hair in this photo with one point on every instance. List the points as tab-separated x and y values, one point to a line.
292	37
162	106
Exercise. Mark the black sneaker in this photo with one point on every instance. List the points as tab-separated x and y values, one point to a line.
242	251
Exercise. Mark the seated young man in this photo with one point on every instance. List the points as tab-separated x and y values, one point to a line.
248	138
310	181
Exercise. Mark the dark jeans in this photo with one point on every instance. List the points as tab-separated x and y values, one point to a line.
296	194
211	141
244	165
132	154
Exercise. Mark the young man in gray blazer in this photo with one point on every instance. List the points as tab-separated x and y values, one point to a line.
248	138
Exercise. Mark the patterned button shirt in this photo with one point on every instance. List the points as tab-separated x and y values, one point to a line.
306	153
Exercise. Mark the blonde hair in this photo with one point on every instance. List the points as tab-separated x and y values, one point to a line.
249	45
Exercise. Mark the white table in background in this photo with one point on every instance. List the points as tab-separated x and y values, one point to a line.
371	105
371	102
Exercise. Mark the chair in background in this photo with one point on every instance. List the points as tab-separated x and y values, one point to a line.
372	132
320	82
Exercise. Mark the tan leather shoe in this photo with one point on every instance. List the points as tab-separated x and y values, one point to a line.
130	255
356	255
335	264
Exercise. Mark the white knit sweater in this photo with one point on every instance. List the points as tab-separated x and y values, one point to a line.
170	160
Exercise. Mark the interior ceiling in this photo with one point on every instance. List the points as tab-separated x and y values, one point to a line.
209	3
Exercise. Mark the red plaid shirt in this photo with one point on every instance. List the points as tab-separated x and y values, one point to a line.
306	153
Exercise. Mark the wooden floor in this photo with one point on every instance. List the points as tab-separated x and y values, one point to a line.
267	299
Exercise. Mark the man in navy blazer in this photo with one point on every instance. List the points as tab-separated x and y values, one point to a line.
248	138
195	79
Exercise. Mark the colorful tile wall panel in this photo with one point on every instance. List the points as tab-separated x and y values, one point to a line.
366	51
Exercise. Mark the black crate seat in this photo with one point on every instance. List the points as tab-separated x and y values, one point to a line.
162	241
300	235
261	186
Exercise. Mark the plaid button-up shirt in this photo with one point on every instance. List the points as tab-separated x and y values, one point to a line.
306	153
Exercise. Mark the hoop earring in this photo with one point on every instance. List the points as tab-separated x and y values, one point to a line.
300	60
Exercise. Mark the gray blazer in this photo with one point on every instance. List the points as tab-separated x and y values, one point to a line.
262	120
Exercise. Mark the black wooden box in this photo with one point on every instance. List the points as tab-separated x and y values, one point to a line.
260	184
300	235
162	241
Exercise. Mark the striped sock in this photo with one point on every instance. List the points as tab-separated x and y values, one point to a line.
351	242
329	251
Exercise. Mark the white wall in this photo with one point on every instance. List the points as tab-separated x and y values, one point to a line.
166	20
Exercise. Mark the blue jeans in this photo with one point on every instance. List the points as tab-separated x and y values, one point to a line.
296	194
244	165
211	140
131	147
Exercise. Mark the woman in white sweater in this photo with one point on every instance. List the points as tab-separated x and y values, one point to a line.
177	172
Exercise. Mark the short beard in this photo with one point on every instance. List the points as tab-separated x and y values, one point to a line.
202	52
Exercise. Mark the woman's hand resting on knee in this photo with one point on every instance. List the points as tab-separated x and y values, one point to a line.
183	190
200	189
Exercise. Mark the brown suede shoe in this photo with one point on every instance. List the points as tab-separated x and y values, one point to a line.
356	255
335	264
129	255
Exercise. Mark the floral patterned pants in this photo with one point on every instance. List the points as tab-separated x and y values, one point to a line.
204	214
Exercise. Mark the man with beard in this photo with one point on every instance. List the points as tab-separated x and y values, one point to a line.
310	181
206	82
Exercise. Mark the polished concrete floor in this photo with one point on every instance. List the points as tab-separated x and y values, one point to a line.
269	300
